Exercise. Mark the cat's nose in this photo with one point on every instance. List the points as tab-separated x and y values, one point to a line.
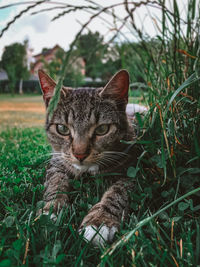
81	157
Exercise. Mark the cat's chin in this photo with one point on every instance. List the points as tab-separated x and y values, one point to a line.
92	169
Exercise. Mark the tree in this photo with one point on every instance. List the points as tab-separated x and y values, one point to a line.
14	62
91	48
128	55
103	60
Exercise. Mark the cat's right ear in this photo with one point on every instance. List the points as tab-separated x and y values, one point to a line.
47	85
117	87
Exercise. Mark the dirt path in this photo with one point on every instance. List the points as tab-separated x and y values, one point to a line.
31	107
21	111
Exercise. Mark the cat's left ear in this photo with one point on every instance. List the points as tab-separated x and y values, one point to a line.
117	87
47	86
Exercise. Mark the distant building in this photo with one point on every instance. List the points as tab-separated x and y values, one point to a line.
48	55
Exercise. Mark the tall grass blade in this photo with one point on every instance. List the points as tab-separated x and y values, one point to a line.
192	79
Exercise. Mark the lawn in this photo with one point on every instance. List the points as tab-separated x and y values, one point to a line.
159	235
21	111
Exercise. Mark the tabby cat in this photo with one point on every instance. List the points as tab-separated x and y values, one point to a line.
85	133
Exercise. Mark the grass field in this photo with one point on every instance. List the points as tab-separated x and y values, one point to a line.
21	111
158	235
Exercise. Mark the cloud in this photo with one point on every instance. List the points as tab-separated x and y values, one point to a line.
40	23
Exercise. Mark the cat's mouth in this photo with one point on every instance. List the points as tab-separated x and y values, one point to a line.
90	168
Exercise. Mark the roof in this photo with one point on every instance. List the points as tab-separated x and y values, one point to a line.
48	51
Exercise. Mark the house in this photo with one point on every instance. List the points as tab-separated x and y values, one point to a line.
48	55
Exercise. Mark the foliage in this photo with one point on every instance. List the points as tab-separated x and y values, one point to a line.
14	62
102	60
91	48
126	55
73	78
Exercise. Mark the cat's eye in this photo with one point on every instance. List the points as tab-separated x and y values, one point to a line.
62	129
102	129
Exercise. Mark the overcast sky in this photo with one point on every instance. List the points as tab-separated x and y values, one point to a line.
42	32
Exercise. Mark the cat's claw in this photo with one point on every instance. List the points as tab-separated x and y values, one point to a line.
53	216
99	236
41	212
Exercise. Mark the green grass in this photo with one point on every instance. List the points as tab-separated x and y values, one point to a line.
171	237
21	98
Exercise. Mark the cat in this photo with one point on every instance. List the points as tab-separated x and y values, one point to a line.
85	132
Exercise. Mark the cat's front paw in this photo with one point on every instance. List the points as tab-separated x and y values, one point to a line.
100	225
99	236
53	208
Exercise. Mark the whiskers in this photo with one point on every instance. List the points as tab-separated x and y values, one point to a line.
98	162
118	153
110	158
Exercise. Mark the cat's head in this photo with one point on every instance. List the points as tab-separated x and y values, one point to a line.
88	124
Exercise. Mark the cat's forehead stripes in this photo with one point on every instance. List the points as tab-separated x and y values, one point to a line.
84	107
70	117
